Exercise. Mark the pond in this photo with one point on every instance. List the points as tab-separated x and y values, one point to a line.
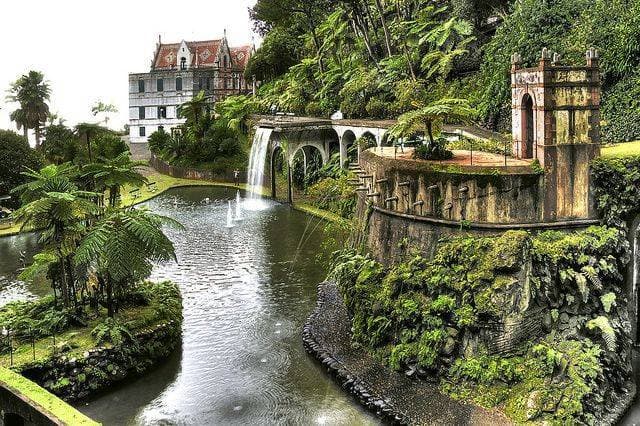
247	291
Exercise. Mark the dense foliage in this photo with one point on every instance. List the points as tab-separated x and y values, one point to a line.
15	157
427	317
215	140
616	186
380	58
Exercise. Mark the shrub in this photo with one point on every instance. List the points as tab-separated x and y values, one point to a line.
433	151
159	141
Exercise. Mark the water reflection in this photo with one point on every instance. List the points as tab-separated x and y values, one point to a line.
15	253
246	296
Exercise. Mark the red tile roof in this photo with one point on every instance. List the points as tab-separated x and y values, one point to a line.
240	56
206	51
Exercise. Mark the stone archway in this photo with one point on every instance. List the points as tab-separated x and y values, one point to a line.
527	126
278	165
305	162
349	152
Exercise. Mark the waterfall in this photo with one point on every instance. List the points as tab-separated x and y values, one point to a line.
230	216
256	167
238	208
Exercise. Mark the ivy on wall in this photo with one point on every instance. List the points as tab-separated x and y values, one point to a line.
616	186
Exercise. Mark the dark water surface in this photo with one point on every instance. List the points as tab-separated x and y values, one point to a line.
247	291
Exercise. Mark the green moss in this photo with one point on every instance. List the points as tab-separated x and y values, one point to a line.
415	314
39	396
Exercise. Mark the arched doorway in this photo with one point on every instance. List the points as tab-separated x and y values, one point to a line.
278	170
305	165
348	149
528	126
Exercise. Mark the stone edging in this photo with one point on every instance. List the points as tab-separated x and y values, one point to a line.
356	386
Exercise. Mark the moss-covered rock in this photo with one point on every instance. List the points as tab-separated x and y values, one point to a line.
534	324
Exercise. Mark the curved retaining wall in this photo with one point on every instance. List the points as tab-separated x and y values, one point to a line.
350	382
455	192
100	368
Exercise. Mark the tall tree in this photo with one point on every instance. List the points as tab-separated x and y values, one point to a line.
113	174
32	92
61	210
122	248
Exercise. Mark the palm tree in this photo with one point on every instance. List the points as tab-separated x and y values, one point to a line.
88	131
60	209
19	117
122	247
32	92
198	115
113	174
430	118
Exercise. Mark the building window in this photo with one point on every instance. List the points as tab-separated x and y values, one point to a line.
183	63
200	82
226	61
160	84
179	84
141	114
208	83
179	111
141	86
162	112
143	131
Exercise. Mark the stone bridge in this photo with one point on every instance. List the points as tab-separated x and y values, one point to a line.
326	135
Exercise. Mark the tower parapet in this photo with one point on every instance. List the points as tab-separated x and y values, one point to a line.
556	120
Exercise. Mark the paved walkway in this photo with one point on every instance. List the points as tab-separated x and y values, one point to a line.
418	400
460	157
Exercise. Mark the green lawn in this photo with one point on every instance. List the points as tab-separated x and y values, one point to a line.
621	149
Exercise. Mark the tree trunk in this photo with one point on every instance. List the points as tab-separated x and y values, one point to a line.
37	132
110	310
63	285
86	136
430	132
25	132
404	47
387	37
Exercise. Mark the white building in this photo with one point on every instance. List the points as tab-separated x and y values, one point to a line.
179	71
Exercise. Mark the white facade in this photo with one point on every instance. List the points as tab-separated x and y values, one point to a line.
179	71
152	100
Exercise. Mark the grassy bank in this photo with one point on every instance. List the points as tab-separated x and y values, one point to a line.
48	402
621	149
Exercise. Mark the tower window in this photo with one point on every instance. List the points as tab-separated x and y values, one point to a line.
179	84
143	131
162	112
160	84
183	63
141	86
141	114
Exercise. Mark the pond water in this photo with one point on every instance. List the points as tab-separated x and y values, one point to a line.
247	291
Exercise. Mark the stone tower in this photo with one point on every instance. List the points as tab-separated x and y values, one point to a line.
556	116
